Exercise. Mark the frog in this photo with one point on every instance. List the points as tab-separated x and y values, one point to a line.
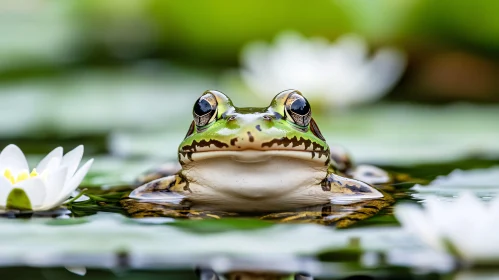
249	159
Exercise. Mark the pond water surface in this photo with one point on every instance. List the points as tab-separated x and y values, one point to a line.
110	237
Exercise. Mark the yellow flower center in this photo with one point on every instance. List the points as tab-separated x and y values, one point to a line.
20	177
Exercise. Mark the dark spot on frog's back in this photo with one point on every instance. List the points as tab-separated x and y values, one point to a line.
233	141
251	138
258	127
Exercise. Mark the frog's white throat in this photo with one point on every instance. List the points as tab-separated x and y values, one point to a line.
249	176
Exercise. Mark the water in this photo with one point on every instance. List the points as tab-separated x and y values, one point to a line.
175	242
109	237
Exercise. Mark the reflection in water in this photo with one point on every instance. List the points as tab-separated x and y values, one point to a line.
208	274
327	214
21	273
60	213
384	253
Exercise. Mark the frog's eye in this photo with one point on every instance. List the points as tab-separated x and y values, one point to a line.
204	110
298	108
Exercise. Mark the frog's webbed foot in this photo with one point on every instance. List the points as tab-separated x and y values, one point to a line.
163	189
346	190
164	170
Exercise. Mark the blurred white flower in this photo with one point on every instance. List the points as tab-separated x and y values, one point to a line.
342	73
474	180
45	187
484	183
466	226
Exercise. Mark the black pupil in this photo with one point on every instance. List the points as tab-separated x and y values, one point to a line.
300	106
202	107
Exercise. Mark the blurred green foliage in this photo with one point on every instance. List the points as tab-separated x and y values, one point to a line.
206	31
213	32
451	45
469	24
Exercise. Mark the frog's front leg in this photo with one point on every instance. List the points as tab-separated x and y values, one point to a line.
346	190
173	186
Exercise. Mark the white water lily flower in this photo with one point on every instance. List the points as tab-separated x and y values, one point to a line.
341	73
45	187
466	226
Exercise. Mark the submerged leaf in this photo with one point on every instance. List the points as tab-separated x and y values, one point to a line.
18	199
221	225
66	222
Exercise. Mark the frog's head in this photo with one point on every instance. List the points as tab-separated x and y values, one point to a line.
284	128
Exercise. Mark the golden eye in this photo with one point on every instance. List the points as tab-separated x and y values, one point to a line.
204	110
298	108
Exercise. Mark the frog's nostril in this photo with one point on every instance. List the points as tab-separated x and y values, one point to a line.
231	118
250	137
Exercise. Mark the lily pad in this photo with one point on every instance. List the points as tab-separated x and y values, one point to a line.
66	221
215	225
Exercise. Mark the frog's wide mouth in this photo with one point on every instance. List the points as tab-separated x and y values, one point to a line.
255	156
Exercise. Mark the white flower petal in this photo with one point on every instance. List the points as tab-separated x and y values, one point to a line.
56	153
437	212
468	224
35	190
53	165
55	182
386	67
475	180
494	209
75	181
469	207
72	160
415	221
13	158
5	189
55	185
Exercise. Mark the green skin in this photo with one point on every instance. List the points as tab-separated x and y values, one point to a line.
261	127
260	145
